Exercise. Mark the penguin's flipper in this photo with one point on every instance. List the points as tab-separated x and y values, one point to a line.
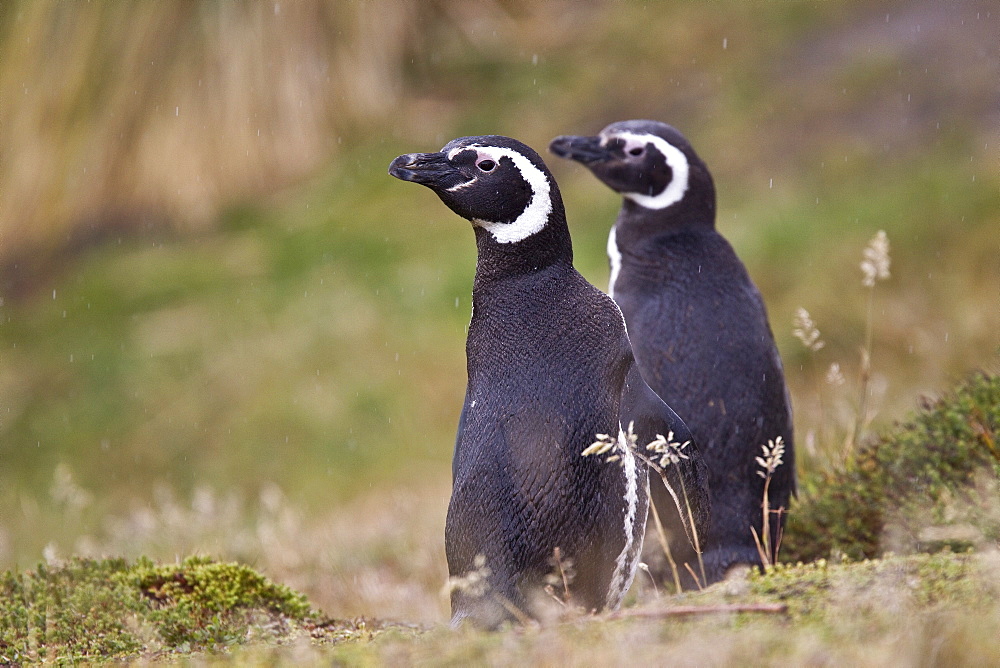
686	478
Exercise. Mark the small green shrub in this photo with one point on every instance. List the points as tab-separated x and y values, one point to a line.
925	472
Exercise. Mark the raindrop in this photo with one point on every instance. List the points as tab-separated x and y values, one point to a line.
770	183
725	43
177	111
534	59
456	302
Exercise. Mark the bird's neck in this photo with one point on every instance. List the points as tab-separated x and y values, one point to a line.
549	246
684	216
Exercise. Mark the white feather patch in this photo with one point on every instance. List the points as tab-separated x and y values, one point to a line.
535	215
461	186
615	256
674	192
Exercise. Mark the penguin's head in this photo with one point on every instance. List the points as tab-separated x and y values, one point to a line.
498	183
647	162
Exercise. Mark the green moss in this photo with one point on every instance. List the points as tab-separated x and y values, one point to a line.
814	590
75	611
941	464
201	603
106	609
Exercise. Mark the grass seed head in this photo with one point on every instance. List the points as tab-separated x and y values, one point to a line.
805	330
773	452
669	450
875	260
473	582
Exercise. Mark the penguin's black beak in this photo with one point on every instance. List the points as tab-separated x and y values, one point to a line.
586	150
428	169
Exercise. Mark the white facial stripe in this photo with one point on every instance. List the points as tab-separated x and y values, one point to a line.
460	186
627	560
675	190
615	256
535	215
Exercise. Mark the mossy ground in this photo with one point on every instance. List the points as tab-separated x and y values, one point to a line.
909	610
110	609
899	608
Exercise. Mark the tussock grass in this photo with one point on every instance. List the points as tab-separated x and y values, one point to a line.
122	117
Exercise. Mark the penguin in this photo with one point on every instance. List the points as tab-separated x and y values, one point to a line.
698	326
549	368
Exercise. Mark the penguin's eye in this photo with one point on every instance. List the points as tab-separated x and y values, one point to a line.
638	150
486	165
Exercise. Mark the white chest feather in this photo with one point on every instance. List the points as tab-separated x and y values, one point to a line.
615	257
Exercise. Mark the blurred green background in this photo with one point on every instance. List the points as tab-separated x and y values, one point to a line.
224	328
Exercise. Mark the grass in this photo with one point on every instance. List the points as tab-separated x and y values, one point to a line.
845	611
278	384
228	614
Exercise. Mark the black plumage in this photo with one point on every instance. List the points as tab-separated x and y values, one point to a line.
548	359
697	323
